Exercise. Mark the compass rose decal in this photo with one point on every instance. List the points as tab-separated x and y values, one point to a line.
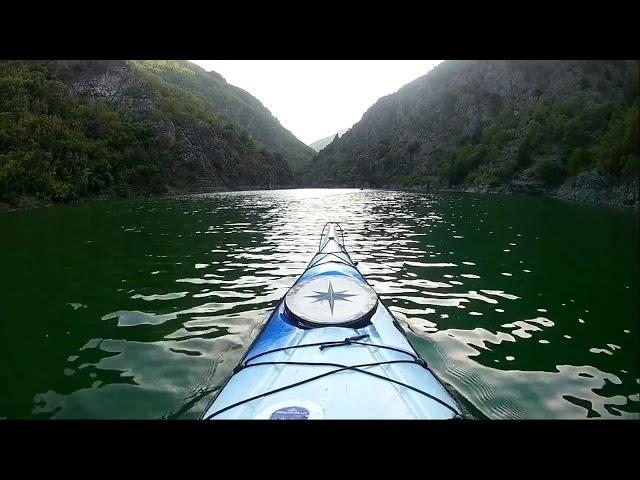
331	296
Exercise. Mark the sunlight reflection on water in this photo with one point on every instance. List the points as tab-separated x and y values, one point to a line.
204	271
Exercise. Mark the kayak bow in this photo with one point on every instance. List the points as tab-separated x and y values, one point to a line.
331	349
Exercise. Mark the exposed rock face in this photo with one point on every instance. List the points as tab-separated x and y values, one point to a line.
411	137
588	187
115	82
166	133
204	151
594	188
203	158
233	105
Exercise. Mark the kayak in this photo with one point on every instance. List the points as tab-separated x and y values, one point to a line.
331	349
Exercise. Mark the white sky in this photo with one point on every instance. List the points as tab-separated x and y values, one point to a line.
316	98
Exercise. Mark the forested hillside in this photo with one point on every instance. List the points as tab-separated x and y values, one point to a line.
80	129
567	128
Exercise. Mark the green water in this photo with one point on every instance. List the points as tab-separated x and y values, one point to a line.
140	309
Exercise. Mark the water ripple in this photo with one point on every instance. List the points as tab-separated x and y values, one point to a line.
186	283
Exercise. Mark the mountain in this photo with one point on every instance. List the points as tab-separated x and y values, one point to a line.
234	105
563	127
323	142
78	129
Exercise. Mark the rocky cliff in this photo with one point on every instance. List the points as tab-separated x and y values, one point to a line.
564	128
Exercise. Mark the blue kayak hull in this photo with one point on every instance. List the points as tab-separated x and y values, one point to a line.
364	368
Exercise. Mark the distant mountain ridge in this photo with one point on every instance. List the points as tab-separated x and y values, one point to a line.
567	128
323	142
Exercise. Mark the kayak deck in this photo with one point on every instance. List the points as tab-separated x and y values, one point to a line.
365	370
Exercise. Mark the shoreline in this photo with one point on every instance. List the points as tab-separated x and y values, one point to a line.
29	203
633	206
623	196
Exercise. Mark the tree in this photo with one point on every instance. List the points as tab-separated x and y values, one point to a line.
551	172
413	147
579	160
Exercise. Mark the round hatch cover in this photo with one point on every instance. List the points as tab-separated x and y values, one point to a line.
331	300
